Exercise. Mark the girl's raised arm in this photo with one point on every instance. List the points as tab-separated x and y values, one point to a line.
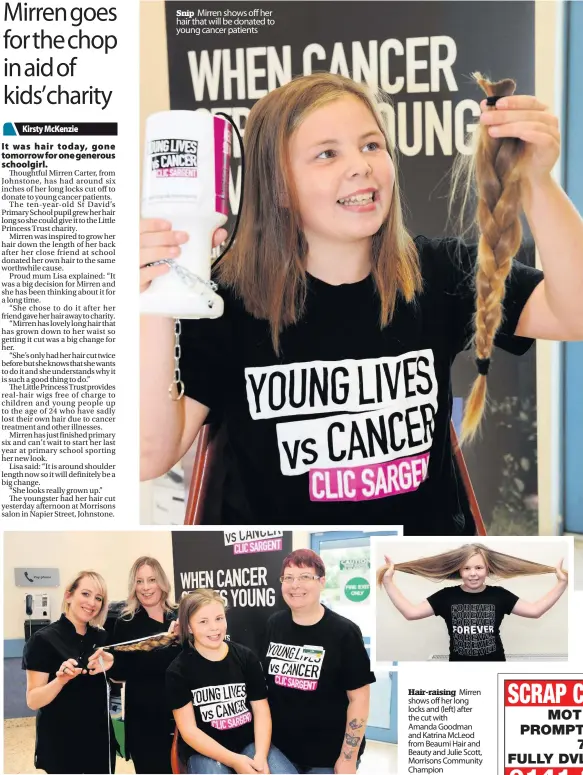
540	607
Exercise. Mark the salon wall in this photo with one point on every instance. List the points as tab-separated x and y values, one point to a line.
109	553
402	640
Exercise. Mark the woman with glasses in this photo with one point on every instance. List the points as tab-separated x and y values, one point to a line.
318	674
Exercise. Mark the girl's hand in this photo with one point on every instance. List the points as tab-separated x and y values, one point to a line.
173	629
528	119
561	575
390	572
260	764
68	671
94	665
243	764
157	242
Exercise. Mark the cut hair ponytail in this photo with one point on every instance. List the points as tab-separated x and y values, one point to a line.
495	168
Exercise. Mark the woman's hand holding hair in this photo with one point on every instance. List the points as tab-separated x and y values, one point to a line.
158	242
67	671
99	662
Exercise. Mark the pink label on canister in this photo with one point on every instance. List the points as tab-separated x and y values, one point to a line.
360	483
177	172
223	135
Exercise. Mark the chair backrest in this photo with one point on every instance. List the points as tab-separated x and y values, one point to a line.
178	766
208	459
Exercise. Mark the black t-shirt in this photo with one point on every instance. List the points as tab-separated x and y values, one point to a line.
309	669
80	709
350	423
144	673
473	621
220	693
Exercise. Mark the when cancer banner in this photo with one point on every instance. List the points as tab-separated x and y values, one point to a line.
243	565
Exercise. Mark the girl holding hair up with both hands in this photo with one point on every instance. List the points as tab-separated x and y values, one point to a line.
331	366
473	611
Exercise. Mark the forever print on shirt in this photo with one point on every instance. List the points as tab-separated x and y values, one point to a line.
473	621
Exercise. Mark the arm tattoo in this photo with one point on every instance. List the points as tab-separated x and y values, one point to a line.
347	756
351	740
356	723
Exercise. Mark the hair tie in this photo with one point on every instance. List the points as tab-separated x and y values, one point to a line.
492	100
483	365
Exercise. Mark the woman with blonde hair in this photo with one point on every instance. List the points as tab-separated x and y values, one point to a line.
149	610
218	695
65	683
473	611
331	366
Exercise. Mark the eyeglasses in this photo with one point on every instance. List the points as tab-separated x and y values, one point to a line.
305	578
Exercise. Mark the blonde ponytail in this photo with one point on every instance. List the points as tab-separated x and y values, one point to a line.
496	171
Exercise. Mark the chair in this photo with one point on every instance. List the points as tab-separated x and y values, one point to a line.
178	766
207	469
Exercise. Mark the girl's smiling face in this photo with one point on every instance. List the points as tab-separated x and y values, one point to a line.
209	626
342	172
474	573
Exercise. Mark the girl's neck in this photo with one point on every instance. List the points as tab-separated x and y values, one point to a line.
80	627
339	263
213	655
310	616
473	591
155	612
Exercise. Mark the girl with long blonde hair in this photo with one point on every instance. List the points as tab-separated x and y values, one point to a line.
473	611
218	695
65	683
331	366
149	610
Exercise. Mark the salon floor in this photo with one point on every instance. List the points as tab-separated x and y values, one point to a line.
19	750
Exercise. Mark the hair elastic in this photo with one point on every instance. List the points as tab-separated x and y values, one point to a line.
492	100
483	365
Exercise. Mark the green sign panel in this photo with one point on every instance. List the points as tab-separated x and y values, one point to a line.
357	589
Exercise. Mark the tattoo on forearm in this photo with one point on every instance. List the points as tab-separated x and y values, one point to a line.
347	756
356	723
352	740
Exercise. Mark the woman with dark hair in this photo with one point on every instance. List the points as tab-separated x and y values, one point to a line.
331	366
149	610
65	683
318	674
473	610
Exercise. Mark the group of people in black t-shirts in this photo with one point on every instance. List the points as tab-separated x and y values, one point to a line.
301	705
